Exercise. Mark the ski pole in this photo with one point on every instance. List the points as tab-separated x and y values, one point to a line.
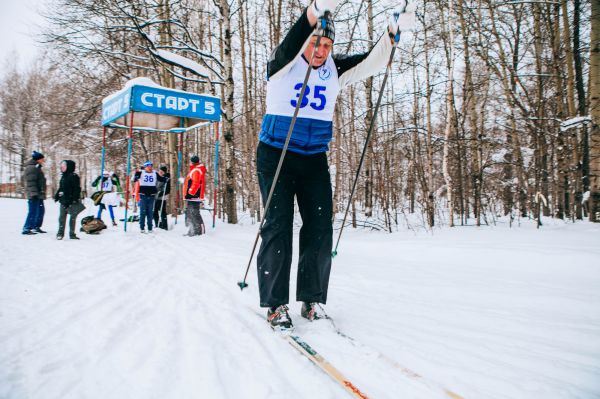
242	284
372	124
163	198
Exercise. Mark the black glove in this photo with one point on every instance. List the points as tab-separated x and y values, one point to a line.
188	196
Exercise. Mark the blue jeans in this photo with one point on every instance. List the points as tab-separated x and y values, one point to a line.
110	210
146	210
35	214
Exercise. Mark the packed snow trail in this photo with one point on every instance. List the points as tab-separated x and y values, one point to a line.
485	312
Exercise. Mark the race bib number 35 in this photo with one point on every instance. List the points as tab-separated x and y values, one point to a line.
318	97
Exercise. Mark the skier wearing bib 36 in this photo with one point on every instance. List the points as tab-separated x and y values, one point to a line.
147	179
305	171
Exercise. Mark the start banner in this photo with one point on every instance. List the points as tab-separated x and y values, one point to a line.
162	101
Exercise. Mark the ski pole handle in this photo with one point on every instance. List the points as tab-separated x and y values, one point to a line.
397	34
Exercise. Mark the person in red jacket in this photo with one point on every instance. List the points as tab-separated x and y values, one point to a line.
194	195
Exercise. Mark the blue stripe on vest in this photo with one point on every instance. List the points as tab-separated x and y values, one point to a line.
310	136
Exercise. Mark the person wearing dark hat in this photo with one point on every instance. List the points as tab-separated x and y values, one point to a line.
148	180
193	186
305	171
34	183
162	198
68	193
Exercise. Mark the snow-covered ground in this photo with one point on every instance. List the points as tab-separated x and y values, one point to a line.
489	312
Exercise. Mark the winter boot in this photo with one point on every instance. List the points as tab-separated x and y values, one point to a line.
309	311
28	233
278	317
114	223
59	236
72	236
38	230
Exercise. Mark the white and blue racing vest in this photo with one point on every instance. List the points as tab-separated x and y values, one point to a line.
107	185
313	128
148	178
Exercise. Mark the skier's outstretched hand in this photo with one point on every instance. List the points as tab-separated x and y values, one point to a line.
403	18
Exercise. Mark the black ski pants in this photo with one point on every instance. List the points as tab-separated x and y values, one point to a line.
160	214
305	177
62	219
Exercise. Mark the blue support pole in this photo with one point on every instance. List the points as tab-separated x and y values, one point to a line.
103	155
127	177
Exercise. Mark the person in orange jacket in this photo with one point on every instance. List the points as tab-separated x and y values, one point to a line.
194	195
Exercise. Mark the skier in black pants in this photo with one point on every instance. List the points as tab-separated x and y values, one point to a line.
69	193
305	170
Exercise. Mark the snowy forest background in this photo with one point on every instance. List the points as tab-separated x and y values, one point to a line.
471	126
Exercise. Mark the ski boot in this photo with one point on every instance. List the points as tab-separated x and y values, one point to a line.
279	318
309	311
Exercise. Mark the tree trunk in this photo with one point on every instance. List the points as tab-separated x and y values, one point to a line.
229	196
594	201
429	89
449	126
369	160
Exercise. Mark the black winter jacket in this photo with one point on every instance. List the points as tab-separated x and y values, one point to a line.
69	189
34	180
163	187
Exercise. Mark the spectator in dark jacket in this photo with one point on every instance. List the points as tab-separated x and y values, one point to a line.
162	198
34	183
69	193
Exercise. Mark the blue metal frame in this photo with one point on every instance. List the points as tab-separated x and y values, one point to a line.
162	101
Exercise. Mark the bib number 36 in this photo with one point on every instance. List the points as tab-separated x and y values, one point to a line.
318	95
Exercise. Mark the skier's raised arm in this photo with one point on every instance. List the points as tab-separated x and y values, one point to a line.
354	68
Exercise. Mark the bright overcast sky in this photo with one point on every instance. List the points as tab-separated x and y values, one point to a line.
19	22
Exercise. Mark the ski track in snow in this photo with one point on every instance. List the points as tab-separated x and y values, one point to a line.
486	313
